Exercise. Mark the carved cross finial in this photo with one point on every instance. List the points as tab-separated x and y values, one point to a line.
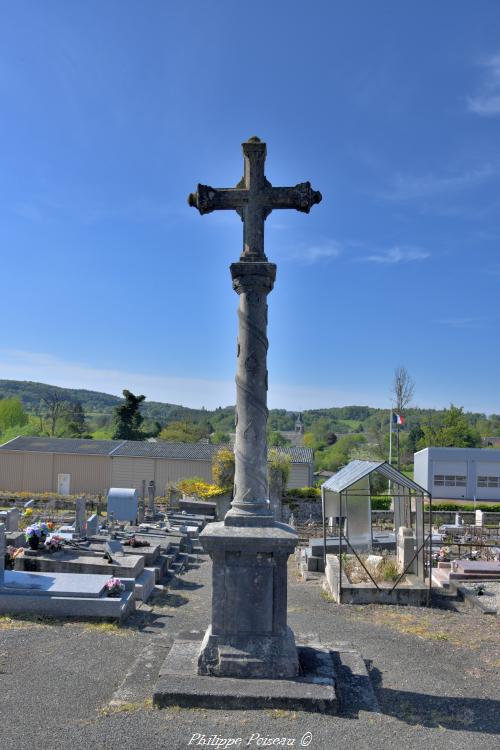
254	198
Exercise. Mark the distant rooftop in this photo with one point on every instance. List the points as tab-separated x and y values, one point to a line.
135	448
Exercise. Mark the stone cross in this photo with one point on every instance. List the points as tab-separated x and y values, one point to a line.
248	636
2	553
254	198
253	279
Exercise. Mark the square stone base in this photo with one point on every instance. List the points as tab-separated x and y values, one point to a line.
250	656
180	684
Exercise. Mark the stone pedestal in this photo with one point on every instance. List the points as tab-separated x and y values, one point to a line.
249	636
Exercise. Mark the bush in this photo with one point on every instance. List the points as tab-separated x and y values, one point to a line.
305	493
460	507
279	462
223	468
381	503
197	487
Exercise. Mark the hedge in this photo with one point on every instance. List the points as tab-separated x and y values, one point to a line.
454	507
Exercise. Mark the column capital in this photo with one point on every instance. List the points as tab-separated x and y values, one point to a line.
249	276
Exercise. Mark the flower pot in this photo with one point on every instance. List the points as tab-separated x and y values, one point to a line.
34	541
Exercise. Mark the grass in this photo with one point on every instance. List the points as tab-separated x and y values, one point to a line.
13	622
326	596
281	713
121	707
113	628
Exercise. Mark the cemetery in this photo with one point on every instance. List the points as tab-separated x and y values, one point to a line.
230	612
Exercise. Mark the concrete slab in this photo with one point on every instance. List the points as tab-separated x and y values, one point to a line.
53	584
82	562
179	683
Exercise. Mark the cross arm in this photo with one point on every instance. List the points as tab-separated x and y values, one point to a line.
301	197
207	199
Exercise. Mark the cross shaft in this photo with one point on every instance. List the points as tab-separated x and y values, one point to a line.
253	199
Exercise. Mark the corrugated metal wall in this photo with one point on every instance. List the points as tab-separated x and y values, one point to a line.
87	473
129	472
11	471
168	470
38	472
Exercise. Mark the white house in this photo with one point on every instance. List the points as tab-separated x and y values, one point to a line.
459	473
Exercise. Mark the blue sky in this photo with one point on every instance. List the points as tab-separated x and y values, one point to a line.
113	112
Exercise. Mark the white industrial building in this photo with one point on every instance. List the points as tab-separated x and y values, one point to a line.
459	473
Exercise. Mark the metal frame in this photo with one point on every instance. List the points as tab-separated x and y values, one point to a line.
397	480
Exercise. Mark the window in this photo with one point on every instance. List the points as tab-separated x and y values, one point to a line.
450	480
483	481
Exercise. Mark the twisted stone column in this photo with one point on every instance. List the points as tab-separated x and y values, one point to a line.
250	507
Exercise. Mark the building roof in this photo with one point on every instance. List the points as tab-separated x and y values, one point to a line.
61	445
356	470
486	454
135	448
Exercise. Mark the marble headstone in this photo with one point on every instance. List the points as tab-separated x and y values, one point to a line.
93	525
12	520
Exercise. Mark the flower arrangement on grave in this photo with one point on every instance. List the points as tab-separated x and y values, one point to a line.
10	555
114	587
36	534
133	542
28	512
54	544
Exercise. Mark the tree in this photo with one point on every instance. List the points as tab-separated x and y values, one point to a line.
12	414
52	407
183	432
73	417
128	418
452	430
223	467
403	389
219	438
276	439
280	463
402	392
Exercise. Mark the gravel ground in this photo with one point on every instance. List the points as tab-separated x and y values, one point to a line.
82	686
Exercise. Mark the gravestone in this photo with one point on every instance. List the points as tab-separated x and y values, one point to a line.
248	635
406	548
2	553
113	548
275	491
12	520
93	525
479	520
123	504
80	517
150	513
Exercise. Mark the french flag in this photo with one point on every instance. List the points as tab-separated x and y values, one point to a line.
398	419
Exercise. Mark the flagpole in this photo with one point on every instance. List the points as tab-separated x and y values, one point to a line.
390	453
390	439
